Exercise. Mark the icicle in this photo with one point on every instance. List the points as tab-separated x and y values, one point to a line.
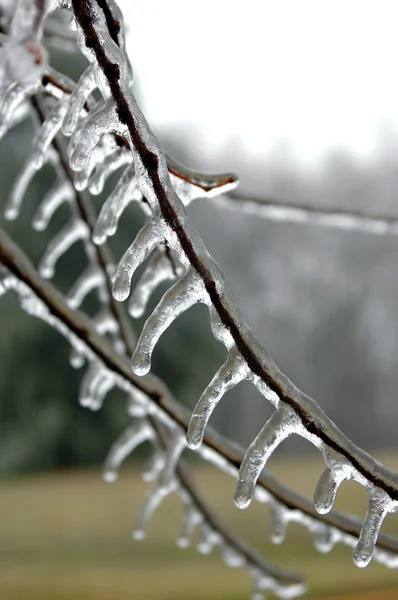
379	506
257	593
163	265
90	279
84	88
104	170
155	465
172	453
154	498
323	537
96	383
18	191
279	520
189	290
76	359
125	192
100	121
49	129
283	423
337	470
10	98
233	371
104	322
99	155
191	519
137	405
73	232
208	538
136	434
62	191
232	558
150	236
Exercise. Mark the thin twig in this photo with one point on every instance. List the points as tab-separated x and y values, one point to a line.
284	212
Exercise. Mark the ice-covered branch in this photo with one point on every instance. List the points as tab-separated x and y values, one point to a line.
215	448
170	225
283	212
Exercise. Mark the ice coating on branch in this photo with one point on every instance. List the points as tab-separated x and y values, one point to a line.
73	232
163	265
90	279
125	192
104	170
96	383
233	371
150	236
84	88
189	290
136	434
49	129
190	520
99	155
283	423
60	192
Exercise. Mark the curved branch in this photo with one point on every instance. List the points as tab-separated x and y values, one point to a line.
216	448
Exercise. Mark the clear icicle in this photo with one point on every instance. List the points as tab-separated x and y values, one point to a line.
189	290
162	266
100	121
76	359
90	279
191	519
104	170
18	191
73	232
337	470
137	405
279	520
150	236
49	129
84	88
232	558
208	538
136	434
323	537
99	155
154	498
10	98
233	371
104	322
155	465
96	383
283	423
125	192
60	192
379	506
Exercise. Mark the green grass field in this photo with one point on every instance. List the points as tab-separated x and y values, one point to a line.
67	537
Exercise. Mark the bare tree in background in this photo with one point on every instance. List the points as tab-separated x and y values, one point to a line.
86	141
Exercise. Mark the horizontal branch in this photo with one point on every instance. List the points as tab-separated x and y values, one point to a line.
216	448
283	212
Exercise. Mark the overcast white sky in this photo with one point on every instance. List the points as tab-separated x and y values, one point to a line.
320	73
